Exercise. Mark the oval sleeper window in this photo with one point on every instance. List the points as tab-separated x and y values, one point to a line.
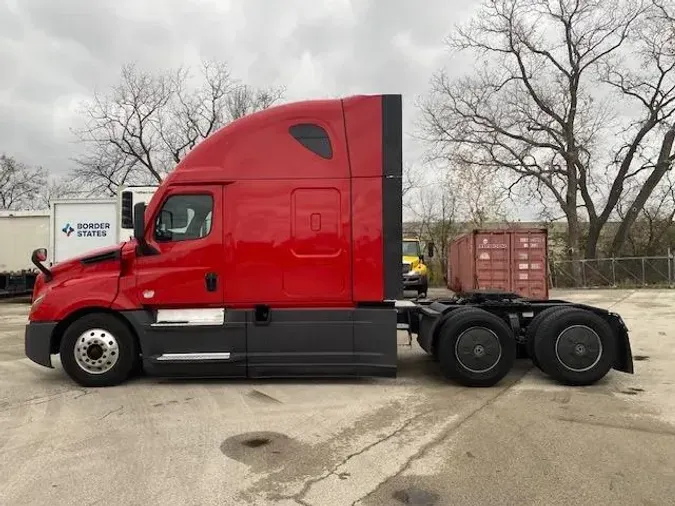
314	138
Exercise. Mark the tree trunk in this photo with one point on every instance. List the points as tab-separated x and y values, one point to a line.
573	239
592	241
662	166
573	232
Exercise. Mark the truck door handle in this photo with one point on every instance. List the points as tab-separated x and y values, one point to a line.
211	280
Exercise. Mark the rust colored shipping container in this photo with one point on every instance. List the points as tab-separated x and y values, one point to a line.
513	260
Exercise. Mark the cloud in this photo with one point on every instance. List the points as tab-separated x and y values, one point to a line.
54	54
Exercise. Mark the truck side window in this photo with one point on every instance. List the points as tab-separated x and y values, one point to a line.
183	218
314	138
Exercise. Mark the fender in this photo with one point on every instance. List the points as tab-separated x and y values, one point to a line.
624	354
432	319
58	302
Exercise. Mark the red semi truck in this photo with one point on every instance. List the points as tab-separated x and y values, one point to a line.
273	250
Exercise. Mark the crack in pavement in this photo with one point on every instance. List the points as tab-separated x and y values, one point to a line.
299	496
36	401
425	448
111	412
609	425
620	300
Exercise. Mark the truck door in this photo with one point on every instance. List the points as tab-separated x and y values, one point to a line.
183	285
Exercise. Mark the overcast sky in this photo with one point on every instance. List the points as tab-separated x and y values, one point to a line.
54	53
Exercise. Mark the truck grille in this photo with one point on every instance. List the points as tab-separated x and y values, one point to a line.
406	268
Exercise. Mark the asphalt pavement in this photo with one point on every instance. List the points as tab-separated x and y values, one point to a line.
415	440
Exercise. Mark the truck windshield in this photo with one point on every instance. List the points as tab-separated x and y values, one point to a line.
411	249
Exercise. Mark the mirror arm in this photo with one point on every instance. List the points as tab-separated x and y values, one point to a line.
38	256
144	249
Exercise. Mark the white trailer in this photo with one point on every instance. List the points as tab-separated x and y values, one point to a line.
21	232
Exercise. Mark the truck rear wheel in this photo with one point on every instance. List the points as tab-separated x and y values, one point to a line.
575	346
533	327
98	350
476	348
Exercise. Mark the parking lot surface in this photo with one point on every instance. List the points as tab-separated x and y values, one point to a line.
416	439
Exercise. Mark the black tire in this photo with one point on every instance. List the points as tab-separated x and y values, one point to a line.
116	352
489	348
533	327
438	332
575	347
423	288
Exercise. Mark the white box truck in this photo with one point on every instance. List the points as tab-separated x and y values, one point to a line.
81	225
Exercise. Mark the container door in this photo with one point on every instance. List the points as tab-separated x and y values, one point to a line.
493	261
529	264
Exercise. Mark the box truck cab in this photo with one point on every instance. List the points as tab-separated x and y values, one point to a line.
415	271
273	249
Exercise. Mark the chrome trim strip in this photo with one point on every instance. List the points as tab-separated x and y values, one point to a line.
185	324
167	357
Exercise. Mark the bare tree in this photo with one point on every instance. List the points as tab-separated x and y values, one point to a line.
144	125
536	109
61	188
652	86
434	207
482	199
654	230
19	183
245	99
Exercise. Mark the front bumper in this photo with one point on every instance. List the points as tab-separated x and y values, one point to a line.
38	342
413	281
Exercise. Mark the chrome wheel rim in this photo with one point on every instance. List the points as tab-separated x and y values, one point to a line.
96	351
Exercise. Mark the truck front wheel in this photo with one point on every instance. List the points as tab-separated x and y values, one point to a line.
476	348
98	350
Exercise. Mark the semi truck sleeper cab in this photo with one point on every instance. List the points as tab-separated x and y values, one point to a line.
273	250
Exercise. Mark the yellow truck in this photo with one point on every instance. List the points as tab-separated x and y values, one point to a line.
415	272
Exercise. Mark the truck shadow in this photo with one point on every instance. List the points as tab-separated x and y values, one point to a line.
413	368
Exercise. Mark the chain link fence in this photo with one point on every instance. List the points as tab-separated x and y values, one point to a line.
614	272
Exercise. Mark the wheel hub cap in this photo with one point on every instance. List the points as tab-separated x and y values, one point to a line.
578	348
478	349
96	351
